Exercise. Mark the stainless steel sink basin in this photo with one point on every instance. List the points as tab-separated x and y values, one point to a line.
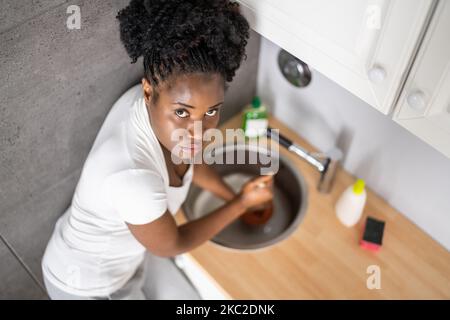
290	199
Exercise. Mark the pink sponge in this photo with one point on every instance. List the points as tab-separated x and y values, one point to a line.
372	237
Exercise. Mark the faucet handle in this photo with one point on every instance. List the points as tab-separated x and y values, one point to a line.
335	154
332	159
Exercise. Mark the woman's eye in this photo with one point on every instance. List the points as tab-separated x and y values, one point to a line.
181	113
211	112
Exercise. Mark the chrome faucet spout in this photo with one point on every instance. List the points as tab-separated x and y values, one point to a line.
325	163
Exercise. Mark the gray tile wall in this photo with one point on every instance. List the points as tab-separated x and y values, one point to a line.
56	87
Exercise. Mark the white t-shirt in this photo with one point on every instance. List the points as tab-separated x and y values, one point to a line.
124	179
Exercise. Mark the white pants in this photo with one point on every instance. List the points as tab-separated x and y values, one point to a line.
165	281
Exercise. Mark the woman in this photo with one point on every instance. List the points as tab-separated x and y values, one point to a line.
119	229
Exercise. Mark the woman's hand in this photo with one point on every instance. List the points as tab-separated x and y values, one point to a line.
257	191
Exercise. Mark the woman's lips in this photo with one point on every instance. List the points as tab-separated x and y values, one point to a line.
192	147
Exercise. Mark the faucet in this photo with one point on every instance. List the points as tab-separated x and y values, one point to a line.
325	163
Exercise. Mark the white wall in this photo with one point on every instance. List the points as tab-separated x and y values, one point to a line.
411	175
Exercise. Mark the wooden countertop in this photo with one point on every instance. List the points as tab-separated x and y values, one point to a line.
322	258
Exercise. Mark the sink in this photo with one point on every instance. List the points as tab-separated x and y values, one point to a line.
290	197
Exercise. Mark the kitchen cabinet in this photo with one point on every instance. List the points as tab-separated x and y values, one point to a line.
393	54
424	105
365	46
206	286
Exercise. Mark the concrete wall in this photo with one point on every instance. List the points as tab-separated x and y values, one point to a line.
408	173
56	87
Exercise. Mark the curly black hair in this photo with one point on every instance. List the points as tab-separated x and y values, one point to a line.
184	36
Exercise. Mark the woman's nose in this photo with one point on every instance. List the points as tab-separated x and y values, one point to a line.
195	130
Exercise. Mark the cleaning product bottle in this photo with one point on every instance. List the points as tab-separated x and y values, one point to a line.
350	205
255	120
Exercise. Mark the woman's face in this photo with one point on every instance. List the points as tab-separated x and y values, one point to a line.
184	110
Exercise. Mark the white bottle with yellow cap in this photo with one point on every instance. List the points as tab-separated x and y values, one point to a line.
350	205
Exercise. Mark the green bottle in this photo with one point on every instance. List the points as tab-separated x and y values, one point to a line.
255	119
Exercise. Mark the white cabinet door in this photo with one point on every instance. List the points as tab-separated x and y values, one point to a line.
206	286
366	46
424	106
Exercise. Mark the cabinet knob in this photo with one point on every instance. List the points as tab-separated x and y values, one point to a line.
377	74
416	100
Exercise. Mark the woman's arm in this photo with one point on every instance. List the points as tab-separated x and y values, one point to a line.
207	178
164	238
